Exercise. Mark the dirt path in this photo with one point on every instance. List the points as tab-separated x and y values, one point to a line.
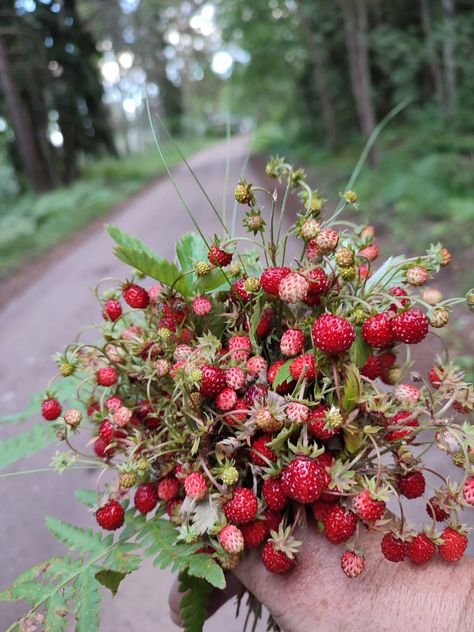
42	319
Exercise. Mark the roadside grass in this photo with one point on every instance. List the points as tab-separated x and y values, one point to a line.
31	224
422	191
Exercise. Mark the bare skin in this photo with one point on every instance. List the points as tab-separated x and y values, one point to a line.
387	596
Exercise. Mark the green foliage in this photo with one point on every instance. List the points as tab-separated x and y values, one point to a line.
352	389
135	253
26	443
159	540
283	374
194	602
110	579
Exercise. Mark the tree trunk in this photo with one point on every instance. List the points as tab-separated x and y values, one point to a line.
314	43
354	14
22	126
433	59
448	57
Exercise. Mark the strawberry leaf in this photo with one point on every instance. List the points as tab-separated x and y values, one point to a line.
194	602
283	374
26	443
110	579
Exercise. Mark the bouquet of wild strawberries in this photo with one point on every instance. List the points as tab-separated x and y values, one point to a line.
240	397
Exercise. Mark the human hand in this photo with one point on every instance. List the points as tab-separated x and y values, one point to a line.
316	595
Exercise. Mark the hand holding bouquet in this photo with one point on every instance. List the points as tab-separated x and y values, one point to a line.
239	397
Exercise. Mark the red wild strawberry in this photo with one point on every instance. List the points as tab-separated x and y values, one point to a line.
227	399
340	524
273	369
238	293
240	348
436	376
454	545
256	365
136	296
412	485
235	378
239	413
272	519
296	412
109	433
377	331
264	326
271	277
195	485
202	306
410	327
352	564
311	299
110	516
219	257
421	549
372	368
107	376
292	342
406	393
293	288
112	309
317	423
115	402
435	510
364	271
387	359
242	507
368	508
260	449
399	420
168	488
274	494
51	409
333	334
146	498
275	560
254	533
370	252
468	490
321	509
257	392
303	480
303	366
398	292
102	449
231	539
318	281
213	380
394	549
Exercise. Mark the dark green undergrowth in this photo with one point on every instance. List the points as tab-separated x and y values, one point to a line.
31	224
421	191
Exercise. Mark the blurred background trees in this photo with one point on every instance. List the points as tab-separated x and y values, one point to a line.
309	77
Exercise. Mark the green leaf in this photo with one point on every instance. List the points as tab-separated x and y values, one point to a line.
77	539
88	598
359	352
205	567
190	248
194	602
351	393
283	374
86	496
352	440
55	613
110	579
132	251
382	276
33	406
215	280
26	443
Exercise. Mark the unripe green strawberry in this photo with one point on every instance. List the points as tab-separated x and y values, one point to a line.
310	229
202	268
243	193
142	465
127	479
470	300
347	274
254	221
439	317
252	284
344	257
230	475
228	561
66	369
